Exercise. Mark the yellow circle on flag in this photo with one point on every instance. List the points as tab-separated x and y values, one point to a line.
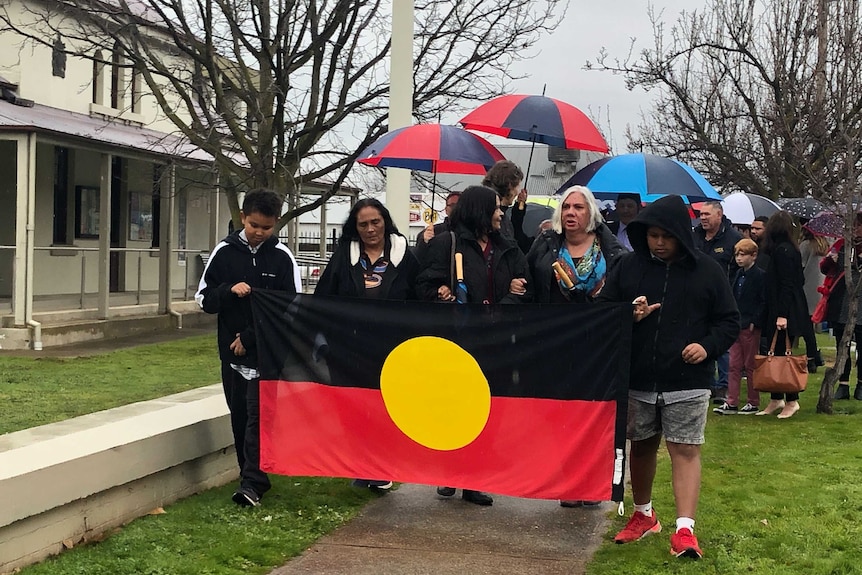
435	392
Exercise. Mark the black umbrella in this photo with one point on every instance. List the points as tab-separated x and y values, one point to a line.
805	208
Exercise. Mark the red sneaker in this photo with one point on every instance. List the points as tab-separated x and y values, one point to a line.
638	527
683	543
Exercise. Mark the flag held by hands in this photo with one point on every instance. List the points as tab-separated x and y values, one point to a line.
520	400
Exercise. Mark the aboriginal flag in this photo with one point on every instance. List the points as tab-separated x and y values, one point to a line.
522	400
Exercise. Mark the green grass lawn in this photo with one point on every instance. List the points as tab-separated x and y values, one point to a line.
36	391
207	534
778	496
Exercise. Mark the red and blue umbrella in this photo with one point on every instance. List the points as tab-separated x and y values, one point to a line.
648	175
537	119
433	148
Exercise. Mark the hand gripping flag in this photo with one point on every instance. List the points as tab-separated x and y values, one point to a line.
520	400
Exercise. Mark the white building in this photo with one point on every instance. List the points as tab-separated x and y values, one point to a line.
106	210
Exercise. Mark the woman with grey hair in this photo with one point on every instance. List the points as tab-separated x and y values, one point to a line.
569	262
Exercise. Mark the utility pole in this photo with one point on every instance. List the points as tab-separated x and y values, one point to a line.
400	107
820	67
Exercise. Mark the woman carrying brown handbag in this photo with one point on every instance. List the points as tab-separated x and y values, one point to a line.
785	301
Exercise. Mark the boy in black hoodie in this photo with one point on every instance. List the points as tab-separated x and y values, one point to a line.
245	260
685	315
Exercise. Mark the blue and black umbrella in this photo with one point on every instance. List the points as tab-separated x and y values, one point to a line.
648	175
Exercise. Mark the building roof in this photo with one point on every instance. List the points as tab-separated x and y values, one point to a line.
63	123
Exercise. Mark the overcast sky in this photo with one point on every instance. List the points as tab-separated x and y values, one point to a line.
589	25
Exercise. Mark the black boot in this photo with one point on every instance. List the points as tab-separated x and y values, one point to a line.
843	391
857	393
812	365
477	497
818	359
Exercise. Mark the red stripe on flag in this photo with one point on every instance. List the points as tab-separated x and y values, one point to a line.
537	448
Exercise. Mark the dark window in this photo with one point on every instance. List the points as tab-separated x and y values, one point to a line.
98	66
157	202
58	58
61	195
116	78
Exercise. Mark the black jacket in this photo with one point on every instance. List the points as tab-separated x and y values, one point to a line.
697	303
508	263
721	246
784	294
751	300
230	263
420	250
544	252
342	277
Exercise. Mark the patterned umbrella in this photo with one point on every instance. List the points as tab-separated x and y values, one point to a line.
805	208
827	224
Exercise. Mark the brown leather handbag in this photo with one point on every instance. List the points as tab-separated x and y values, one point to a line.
780	373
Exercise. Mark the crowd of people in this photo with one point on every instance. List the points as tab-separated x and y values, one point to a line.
704	299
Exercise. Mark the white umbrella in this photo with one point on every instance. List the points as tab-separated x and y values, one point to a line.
741	208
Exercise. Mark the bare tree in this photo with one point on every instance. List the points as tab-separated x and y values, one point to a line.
763	97
281	92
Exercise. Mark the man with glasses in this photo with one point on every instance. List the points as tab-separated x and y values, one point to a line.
421	247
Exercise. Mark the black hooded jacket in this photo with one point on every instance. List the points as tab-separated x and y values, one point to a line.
231	262
697	303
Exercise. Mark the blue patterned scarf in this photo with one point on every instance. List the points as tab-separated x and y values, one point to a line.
588	274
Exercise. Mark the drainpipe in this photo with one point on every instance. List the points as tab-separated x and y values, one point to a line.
178	315
37	334
31	242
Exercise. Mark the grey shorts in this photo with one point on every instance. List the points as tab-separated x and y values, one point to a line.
680	422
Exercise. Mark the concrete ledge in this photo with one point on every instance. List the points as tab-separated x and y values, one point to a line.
73	327
75	479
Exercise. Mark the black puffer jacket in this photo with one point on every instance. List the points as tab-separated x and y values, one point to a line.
697	303
544	253
230	263
508	263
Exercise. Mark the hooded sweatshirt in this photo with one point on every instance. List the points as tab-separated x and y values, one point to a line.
697	303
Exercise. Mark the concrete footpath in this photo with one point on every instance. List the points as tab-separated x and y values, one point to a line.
413	531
